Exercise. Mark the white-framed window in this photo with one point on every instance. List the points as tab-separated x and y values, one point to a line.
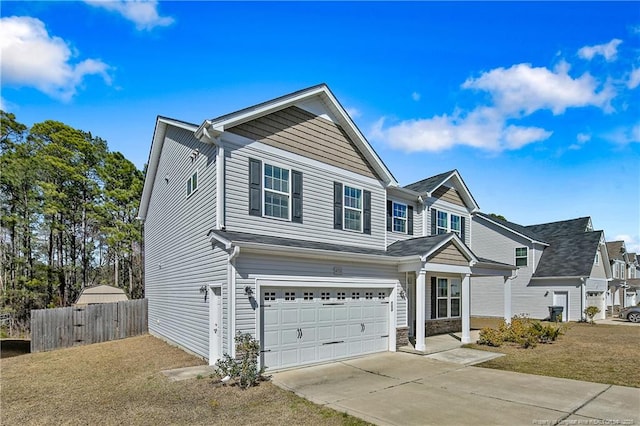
521	256
597	259
446	222
399	217
352	203
277	192
448	297
192	183
442	224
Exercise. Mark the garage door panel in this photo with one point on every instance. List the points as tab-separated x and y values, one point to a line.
308	325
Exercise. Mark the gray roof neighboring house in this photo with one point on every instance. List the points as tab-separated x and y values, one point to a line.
569	255
563	227
616	250
514	227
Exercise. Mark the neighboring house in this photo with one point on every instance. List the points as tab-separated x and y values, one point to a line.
559	264
280	220
633	280
617	292
101	294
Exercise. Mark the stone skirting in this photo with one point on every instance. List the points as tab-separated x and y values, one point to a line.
402	336
443	326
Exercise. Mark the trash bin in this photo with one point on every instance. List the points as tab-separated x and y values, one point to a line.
555	313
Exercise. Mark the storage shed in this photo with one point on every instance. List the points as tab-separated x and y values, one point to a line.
101	294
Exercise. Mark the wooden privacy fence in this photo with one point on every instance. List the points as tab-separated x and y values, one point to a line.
82	325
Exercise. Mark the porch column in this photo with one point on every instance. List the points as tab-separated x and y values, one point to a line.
421	296
466	309
507	300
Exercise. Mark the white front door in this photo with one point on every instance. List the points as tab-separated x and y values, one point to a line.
561	298
215	324
304	325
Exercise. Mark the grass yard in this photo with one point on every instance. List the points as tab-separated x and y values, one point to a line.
595	353
120	382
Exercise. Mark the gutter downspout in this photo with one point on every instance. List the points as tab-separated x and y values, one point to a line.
220	185
231	300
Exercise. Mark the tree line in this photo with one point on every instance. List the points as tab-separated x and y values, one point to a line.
68	217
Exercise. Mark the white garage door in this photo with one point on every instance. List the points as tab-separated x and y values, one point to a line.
304	325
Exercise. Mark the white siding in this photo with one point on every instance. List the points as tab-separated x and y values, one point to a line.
250	265
317	201
179	258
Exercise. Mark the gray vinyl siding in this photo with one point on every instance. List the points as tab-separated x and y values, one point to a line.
179	259
249	265
317	202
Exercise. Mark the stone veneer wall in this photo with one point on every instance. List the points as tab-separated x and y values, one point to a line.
443	326
402	336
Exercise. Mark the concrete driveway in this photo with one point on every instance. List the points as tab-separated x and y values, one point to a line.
406	389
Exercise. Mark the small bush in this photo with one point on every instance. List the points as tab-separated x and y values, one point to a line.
490	337
591	312
244	368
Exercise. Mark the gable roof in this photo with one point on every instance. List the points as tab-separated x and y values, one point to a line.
520	230
216	126
562	227
569	255
101	294
616	250
429	185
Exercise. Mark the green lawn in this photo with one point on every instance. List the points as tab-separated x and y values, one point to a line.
595	353
120	382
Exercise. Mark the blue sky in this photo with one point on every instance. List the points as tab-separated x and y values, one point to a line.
536	104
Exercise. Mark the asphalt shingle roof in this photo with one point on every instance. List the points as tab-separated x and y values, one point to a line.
563	227
430	183
615	250
514	227
569	255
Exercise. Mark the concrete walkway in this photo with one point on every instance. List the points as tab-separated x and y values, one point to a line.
405	389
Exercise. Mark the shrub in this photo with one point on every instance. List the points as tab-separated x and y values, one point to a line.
244	368
591	312
490	337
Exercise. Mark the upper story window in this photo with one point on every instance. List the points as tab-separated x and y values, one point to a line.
352	209
448	223
192	183
277	194
274	191
399	217
597	259
521	256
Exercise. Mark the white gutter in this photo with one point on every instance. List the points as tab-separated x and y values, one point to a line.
220	185
231	300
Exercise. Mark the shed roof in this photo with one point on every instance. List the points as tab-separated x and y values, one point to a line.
101	294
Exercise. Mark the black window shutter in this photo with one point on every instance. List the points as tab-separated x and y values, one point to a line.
255	187
296	195
366	203
337	205
463	228
434	218
410	220
434	298
389	215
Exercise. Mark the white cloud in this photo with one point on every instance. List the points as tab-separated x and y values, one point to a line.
143	13
625	135
631	243
581	139
353	112
482	128
416	96
634	79
523	89
33	58
608	50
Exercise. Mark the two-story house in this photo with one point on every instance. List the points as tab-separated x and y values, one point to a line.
621	265
561	263
280	220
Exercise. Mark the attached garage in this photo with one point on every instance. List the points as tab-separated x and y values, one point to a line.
305	325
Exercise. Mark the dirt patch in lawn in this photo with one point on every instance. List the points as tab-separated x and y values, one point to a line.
120	382
595	353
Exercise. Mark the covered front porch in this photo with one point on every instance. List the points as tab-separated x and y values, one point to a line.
437	292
